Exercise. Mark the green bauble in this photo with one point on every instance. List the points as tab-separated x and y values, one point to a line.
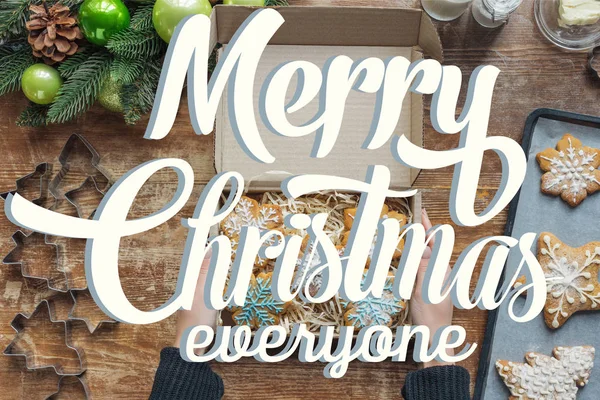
110	95
100	19
257	3
168	13
41	83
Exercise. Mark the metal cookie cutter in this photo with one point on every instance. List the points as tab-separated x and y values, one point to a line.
85	309
69	381
86	198
19	325
78	157
56	282
37	180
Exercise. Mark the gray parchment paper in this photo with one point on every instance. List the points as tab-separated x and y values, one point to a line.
537	213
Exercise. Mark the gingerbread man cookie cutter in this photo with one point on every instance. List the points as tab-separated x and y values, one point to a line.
41	173
18	325
63	382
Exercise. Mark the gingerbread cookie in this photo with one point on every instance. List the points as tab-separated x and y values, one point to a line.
570	170
249	213
571	278
544	377
306	265
349	215
260	308
371	310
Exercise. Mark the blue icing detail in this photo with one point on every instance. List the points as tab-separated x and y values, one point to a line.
260	308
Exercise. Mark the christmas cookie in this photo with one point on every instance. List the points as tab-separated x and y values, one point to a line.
249	213
260	308
544	377
570	170
371	310
306	263
349	215
571	278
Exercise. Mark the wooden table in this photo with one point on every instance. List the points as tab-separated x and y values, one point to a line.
122	359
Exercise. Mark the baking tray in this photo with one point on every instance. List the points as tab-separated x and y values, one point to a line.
533	211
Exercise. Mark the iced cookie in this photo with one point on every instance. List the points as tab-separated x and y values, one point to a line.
349	214
544	377
249	213
371	310
570	170
260	308
571	278
307	261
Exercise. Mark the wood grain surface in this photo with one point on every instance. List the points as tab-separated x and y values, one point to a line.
122	359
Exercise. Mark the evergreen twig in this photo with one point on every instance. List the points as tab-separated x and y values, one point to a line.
276	3
13	15
68	67
130	43
138	97
126	70
34	115
141	20
12	66
80	91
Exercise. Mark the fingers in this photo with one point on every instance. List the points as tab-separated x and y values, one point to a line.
205	264
427	225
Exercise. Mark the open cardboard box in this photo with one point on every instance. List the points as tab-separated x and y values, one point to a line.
315	34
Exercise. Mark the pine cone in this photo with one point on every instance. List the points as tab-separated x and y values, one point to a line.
53	32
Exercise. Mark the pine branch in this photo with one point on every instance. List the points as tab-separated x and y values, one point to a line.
12	66
136	44
126	70
68	67
13	15
80	91
141	20
276	3
138	97
33	116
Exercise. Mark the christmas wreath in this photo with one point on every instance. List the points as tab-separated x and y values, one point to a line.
67	54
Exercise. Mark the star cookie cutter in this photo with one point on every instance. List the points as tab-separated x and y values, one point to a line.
71	380
13	258
93	319
84	202
77	147
18	325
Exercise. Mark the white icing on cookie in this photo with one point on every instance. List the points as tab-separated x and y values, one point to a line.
544	377
572	171
568	281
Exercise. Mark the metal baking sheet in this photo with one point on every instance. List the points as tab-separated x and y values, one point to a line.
533	211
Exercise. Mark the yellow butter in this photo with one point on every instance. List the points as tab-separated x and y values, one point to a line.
578	12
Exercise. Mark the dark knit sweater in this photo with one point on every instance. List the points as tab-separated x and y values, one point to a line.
177	379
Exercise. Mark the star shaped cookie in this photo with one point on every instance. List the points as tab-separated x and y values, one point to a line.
571	278
570	170
544	377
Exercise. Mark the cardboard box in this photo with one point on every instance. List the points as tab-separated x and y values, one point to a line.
315	34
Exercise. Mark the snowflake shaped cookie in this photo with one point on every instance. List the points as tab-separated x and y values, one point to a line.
249	213
349	215
260	308
570	170
571	278
548	378
372	310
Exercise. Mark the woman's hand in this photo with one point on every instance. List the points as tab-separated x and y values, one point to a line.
199	314
433	316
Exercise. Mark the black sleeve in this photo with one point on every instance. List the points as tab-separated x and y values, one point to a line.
182	380
437	383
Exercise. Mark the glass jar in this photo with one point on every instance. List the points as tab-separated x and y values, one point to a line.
494	13
445	10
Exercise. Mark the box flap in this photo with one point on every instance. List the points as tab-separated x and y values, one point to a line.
429	40
292	155
332	26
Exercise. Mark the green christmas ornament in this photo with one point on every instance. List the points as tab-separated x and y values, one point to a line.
40	83
257	3
168	13
110	95
100	19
